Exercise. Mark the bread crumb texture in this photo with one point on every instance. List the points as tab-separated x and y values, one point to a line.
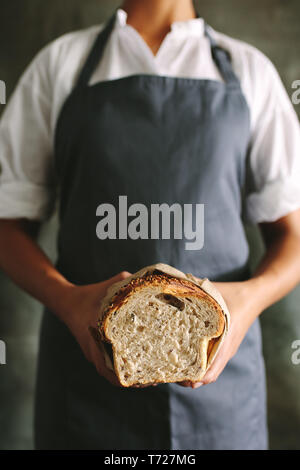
160	328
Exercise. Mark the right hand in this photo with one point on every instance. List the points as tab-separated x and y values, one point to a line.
81	312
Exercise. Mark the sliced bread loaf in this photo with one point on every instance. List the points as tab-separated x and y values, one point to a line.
162	325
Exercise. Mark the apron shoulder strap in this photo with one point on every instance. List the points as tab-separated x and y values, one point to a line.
96	53
222	59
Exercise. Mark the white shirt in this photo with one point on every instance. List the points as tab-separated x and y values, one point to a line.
27	181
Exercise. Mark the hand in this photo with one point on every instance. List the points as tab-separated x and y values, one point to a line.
244	309
80	314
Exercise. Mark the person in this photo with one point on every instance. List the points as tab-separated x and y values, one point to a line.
157	106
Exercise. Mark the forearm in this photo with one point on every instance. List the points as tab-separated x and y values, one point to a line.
279	271
77	306
28	266
277	274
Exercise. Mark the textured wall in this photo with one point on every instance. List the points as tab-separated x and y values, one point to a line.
26	26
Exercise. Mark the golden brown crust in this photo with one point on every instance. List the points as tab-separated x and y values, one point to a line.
210	346
169	284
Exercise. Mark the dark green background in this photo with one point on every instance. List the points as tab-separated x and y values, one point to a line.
27	25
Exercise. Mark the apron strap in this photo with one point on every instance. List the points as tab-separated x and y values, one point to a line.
222	59
96	53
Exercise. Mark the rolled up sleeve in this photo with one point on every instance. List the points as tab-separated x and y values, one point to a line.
27	179
274	156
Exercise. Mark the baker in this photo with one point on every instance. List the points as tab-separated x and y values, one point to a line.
157	106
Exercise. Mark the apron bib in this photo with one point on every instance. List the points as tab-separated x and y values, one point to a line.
151	140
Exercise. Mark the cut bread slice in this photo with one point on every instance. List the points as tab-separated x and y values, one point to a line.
162	326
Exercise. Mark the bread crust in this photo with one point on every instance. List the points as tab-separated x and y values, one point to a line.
169	285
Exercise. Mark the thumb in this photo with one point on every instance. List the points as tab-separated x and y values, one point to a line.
97	356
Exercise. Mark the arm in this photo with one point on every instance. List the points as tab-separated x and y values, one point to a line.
277	274
77	306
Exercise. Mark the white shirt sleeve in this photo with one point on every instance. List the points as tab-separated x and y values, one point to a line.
274	155
28	185
27	182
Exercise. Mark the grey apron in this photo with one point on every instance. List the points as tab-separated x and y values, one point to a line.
156	140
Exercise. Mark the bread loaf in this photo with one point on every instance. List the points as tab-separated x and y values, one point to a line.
164	326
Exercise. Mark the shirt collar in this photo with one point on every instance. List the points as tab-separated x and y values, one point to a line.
195	26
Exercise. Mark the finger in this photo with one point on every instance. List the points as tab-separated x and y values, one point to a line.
144	385
213	373
125	274
185	383
192	385
119	277
97	355
110	376
197	384
105	371
215	370
219	362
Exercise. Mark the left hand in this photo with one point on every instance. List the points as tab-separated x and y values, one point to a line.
242	305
